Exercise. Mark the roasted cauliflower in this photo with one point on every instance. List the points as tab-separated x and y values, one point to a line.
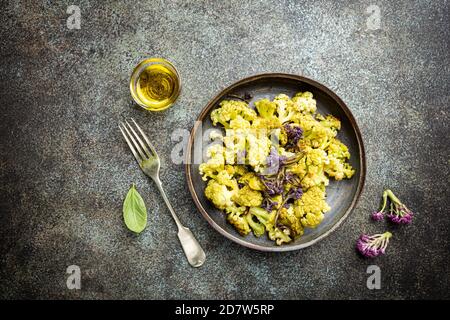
269	168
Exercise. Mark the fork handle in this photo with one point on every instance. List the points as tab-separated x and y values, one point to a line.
192	249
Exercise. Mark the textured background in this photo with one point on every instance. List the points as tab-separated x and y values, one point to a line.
65	169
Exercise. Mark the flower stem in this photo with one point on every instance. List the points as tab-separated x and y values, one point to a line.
387	234
385	195
392	196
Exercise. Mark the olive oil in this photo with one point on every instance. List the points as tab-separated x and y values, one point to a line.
155	84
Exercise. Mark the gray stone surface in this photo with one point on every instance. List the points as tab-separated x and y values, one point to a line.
64	168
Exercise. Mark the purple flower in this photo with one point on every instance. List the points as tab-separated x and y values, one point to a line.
293	133
280	182
294	193
273	184
398	212
378	215
268	204
373	246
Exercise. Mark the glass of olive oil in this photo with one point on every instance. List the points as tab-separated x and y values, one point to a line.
155	84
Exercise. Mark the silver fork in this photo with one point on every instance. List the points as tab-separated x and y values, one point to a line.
148	160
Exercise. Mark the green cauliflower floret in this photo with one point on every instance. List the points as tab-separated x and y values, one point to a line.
278	199
258	148
289	219
239	123
329	121
235	170
281	136
337	166
278	235
310	168
268	220
215	162
316	176
307	122
219	194
257	226
266	123
285	109
230	169
235	141
226	179
239	170
337	149
252	180
237	217
304	102
262	215
300	168
266	108
315	133
317	137
230	110
311	206
210	169
248	197
315	161
267	119
216	135
338	169
246	147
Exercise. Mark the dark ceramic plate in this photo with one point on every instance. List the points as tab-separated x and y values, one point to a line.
341	195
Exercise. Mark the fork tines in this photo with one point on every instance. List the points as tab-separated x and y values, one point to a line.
140	145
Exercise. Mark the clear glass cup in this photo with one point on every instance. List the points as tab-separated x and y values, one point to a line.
155	84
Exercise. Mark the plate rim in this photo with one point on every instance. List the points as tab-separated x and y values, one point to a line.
211	103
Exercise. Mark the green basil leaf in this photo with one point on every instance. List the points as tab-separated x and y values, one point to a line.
134	211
